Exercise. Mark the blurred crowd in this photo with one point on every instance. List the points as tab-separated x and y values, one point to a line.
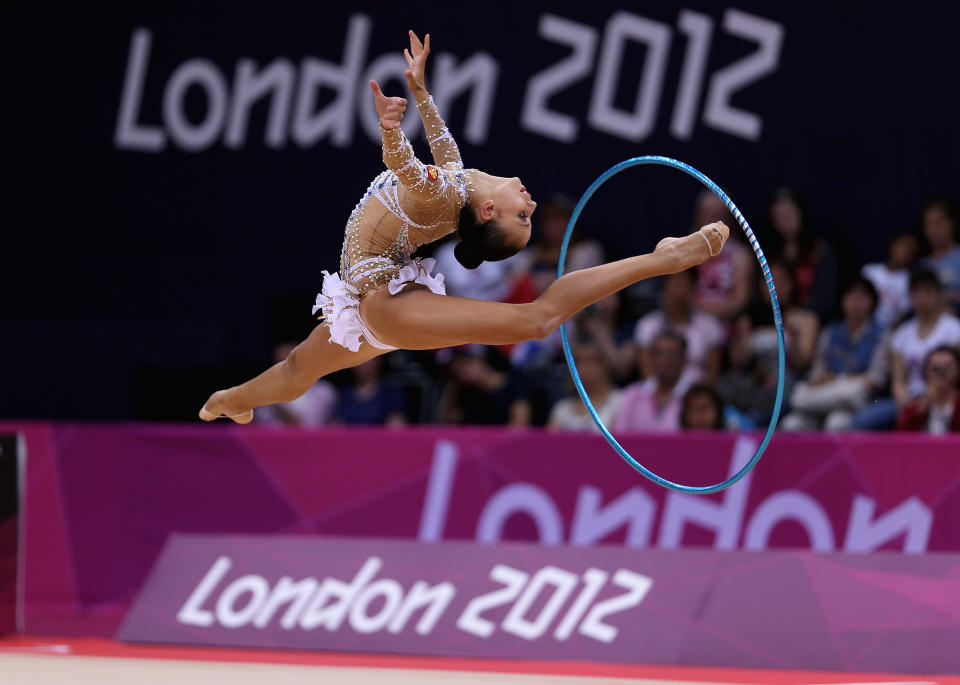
868	347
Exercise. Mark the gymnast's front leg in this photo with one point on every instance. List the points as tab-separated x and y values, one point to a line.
285	381
417	319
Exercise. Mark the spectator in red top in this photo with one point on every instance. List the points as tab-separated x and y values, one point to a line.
724	283
937	411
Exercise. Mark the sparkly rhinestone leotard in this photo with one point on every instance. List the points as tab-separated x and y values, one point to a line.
408	205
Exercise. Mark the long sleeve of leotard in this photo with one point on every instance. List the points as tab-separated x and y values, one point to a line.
399	157
431	198
442	145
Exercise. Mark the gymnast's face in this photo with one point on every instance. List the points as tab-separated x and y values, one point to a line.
510	206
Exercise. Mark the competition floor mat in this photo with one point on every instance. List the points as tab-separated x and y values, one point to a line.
28	660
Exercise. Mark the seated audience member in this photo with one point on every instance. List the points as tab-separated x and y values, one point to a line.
892	279
850	365
800	325
702	409
315	407
937	411
570	413
703	333
931	326
724	282
810	259
370	400
483	389
599	325
940	230
747	383
653	404
490	281
750	380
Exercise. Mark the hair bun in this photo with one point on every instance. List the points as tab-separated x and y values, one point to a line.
467	256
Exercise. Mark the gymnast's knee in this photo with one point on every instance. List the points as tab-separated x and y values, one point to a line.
298	371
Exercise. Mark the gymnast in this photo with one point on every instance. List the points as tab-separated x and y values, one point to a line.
382	299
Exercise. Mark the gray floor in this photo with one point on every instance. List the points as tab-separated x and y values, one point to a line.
20	669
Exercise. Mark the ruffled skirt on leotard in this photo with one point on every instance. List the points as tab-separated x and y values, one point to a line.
339	302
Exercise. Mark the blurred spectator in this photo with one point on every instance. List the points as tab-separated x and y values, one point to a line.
701	409
800	325
370	400
932	326
850	365
490	281
570	413
724	284
314	408
478	392
703	333
599	325
746	383
653	404
940	230
892	279
750	380
937	411
544	254
811	261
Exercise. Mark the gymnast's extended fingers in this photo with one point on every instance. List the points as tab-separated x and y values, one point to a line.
415	45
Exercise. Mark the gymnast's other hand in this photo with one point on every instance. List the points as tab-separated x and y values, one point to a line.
694	249
416	61
390	110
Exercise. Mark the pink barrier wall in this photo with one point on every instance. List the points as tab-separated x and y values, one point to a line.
862	612
102	499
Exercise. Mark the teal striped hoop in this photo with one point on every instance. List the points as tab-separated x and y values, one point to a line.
777	319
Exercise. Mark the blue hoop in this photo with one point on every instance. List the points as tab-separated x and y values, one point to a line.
777	319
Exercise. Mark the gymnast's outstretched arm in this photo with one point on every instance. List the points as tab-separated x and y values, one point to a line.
442	145
397	152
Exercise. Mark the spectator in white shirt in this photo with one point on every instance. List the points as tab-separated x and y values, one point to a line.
570	413
703	333
892	279
932	326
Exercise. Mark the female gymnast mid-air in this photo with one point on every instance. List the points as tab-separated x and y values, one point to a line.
382	299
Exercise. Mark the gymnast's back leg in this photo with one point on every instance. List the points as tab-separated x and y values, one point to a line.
287	380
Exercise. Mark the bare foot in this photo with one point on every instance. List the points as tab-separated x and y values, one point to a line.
217	407
695	248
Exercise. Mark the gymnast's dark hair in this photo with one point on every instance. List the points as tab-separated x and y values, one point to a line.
480	242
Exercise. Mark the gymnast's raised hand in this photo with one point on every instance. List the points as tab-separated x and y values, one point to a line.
383	299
